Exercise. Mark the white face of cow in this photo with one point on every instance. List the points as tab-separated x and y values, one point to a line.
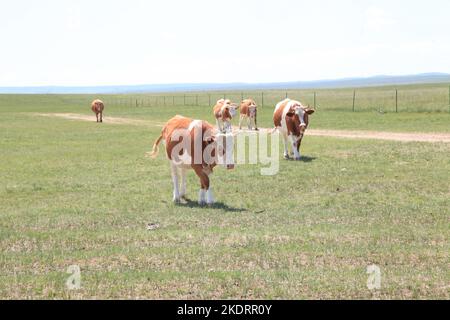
300	111
252	111
227	105
225	150
233	111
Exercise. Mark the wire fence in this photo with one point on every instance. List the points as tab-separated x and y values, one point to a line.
407	99
415	98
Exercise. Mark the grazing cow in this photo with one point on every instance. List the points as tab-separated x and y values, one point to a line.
248	111
291	118
194	144
97	107
224	111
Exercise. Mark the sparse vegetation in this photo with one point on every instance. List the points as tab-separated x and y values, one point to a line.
82	193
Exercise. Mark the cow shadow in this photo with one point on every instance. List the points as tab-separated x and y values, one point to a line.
216	206
305	159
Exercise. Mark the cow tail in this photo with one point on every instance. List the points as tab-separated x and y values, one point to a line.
155	150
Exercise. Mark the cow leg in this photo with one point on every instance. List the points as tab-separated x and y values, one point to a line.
286	150
250	123
295	147
256	125
227	127
96	115
209	197
176	192
299	143
205	194
219	125
240	122
183	184
202	197
101	116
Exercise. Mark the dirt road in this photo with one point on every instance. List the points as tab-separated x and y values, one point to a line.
349	134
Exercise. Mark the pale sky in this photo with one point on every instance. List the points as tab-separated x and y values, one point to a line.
112	42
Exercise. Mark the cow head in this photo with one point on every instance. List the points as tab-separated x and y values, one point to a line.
220	150
228	109
252	109
233	109
303	114
225	149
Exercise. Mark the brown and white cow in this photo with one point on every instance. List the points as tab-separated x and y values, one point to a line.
248	111
194	144
224	111
291	119
97	107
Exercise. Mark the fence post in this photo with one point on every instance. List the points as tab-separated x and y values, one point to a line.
396	101
286	95
354	97
262	99
314	99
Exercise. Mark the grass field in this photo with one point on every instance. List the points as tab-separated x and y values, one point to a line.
80	193
410	98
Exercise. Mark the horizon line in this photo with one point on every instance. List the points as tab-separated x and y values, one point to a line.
77	86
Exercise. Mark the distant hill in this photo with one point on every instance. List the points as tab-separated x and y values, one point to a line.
319	84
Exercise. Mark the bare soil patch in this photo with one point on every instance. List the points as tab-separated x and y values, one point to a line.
382	135
106	119
349	134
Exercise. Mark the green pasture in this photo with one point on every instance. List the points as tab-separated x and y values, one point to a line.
81	193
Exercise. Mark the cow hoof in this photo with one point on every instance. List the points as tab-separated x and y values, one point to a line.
286	157
298	158
176	200
201	203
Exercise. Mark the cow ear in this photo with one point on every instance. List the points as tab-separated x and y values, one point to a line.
309	111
